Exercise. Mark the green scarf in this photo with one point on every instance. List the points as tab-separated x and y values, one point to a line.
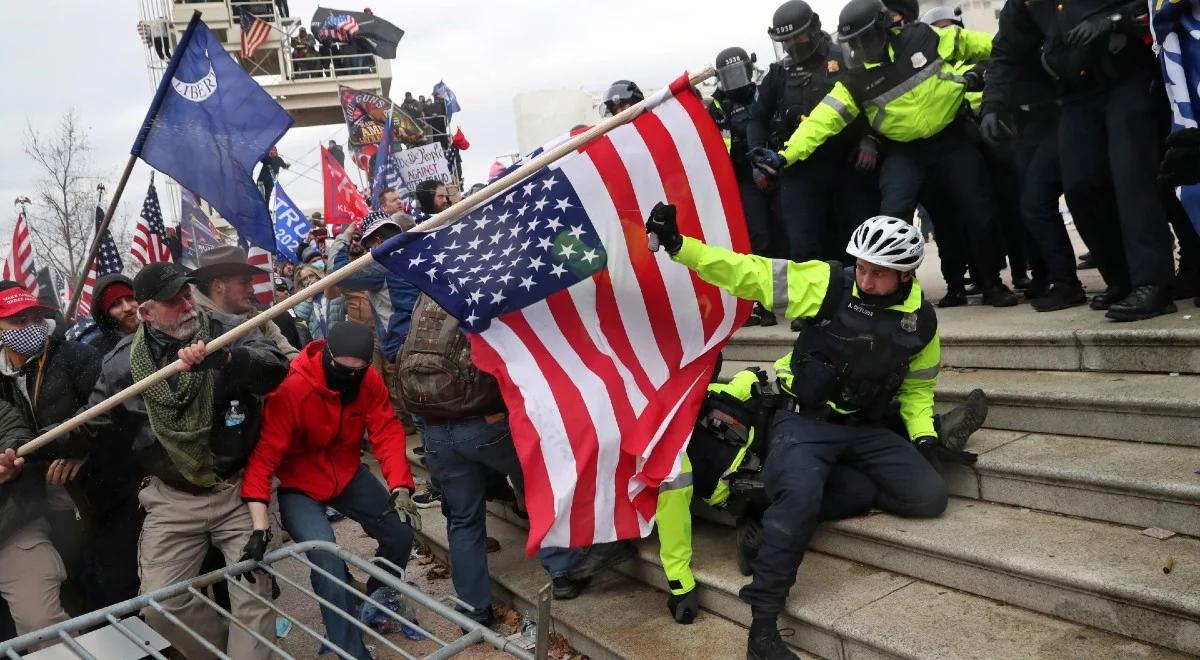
181	418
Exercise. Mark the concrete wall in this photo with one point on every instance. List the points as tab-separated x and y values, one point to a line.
543	116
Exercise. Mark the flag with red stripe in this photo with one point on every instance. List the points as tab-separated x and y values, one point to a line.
254	32
19	266
150	235
603	349
260	258
107	261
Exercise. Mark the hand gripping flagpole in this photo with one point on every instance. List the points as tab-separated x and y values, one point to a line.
451	214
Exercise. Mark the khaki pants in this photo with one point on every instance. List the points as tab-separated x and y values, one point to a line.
30	575
175	537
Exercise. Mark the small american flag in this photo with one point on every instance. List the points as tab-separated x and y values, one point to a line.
19	266
108	260
264	292
602	349
150	236
254	32
339	27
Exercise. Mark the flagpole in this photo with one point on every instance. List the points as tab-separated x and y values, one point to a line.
69	312
451	214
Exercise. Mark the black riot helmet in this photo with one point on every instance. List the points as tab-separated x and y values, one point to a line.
797	28
621	95
863	27
906	9
735	69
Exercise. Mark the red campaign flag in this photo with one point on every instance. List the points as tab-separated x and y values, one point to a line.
459	141
343	202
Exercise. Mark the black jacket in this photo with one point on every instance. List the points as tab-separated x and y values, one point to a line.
256	368
23	499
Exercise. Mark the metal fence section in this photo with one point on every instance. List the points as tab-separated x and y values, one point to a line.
74	640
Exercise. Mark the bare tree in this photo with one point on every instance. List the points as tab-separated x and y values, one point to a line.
62	219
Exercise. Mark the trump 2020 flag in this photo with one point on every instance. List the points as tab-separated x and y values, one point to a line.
291	226
1176	30
208	125
603	349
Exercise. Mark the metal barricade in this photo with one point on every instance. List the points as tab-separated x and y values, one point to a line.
72	634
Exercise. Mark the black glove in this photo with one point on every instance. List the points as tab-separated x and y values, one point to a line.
663	230
1181	164
684	608
767	160
940	455
993	129
973	79
215	360
255	548
1090	29
868	154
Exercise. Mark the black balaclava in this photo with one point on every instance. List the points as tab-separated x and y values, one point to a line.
347	339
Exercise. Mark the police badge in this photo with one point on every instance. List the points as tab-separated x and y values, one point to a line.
909	323
831	66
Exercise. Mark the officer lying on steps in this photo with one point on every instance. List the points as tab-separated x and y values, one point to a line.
869	350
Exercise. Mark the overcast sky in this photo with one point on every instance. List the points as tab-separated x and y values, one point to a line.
90	59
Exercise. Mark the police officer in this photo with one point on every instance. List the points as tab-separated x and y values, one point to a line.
870	349
1110	91
904	80
824	197
730	107
621	95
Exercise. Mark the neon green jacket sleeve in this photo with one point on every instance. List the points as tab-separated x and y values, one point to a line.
916	391
958	45
794	289
831	115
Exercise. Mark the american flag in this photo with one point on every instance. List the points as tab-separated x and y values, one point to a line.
254	32
150	236
603	349
264	292
108	260
339	27
19	266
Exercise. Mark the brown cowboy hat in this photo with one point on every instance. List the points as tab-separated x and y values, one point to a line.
224	261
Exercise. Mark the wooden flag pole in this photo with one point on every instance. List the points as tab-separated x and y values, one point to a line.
451	214
69	312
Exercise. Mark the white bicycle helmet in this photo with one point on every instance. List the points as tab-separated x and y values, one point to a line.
889	242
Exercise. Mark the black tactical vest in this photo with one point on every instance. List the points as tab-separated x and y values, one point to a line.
858	354
800	86
734	117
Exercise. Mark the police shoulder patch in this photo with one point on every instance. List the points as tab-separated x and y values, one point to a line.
908	322
919	60
832	66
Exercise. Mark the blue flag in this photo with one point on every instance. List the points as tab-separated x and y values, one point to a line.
1176	31
208	125
383	159
290	226
443	91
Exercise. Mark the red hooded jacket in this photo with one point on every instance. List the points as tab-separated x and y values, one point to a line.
312	442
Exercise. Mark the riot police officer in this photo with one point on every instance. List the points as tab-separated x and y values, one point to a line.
730	107
825	197
621	95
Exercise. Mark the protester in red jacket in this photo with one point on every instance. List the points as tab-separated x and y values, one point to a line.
312	430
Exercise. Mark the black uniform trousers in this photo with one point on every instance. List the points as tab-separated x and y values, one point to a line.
756	205
803	455
823	199
1109	148
1041	186
953	165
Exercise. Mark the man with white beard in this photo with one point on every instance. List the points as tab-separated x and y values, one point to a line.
192	434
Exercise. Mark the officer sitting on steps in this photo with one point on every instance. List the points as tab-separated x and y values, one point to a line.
871	346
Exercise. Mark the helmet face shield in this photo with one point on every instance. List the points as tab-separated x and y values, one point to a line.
620	95
802	44
867	46
735	75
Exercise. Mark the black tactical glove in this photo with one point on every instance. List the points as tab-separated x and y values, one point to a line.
993	129
255	548
767	160
868	154
215	360
1181	164
940	455
684	608
663	230
1090	29
973	79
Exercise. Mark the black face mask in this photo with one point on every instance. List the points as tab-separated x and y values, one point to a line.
342	379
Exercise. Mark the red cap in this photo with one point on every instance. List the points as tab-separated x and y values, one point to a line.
112	293
16	300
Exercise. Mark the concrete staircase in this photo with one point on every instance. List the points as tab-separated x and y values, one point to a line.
1094	434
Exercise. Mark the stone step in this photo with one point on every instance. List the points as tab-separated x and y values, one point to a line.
1118	406
1071	340
1139	484
617	617
1097	574
845	610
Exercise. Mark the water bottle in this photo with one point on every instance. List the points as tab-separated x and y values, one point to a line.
234	415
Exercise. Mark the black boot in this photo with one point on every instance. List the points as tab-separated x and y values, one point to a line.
749	538
565	588
1086	261
1036	289
797	324
956	426
766	643
999	295
602	556
956	296
1110	295
1060	296
1021	281
1144	302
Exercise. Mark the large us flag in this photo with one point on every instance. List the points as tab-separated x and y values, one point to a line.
602	348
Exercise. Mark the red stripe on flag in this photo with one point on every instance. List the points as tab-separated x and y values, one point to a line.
616	333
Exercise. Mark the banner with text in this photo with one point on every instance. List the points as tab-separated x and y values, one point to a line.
419	164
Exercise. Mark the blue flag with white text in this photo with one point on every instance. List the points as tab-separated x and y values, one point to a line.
1176	30
208	126
443	91
291	226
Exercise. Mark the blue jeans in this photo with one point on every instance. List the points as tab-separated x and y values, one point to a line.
365	501
461	454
